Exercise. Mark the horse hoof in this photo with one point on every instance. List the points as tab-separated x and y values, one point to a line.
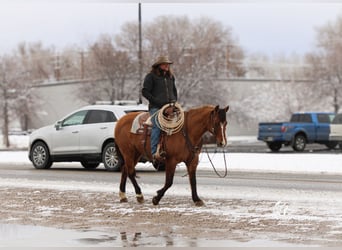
155	201
123	200
140	199
199	203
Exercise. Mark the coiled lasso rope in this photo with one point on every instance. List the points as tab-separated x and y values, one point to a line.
171	125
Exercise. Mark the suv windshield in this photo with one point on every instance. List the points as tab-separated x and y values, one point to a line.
75	119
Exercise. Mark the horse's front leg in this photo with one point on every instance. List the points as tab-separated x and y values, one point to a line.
192	167
169	174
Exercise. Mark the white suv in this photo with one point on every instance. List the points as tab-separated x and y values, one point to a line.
86	135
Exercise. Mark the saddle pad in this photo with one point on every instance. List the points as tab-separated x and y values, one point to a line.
139	121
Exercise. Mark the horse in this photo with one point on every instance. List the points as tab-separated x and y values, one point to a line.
183	146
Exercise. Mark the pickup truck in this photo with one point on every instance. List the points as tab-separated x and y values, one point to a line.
303	128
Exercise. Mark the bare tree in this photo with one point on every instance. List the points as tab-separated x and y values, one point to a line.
326	63
110	71
282	88
12	91
69	63
37	60
197	47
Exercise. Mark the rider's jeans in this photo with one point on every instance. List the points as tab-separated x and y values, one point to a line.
155	132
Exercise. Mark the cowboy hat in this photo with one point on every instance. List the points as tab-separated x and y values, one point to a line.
162	59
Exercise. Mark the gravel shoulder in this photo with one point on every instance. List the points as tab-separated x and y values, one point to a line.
220	219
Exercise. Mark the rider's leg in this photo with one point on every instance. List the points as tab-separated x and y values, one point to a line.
155	132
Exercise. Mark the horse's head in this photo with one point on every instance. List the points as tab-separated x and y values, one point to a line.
218	124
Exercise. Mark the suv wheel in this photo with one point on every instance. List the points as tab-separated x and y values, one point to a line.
40	156
110	158
90	165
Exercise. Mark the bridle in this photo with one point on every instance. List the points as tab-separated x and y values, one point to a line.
222	123
213	129
214	126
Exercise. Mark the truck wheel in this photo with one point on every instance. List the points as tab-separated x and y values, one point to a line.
274	146
299	143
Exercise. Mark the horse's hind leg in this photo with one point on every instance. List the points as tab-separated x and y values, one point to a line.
132	174
122	193
138	193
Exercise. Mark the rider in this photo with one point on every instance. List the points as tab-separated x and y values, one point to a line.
159	89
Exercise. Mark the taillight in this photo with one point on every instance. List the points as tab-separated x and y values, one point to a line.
283	129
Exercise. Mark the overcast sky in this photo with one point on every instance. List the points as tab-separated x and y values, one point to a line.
283	27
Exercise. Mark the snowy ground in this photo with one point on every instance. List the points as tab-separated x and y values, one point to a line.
289	163
234	216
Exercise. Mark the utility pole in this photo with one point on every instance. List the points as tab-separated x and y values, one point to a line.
57	67
140	56
82	64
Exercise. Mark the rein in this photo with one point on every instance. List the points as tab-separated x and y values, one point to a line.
225	164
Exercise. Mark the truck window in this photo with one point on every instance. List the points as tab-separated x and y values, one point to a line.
323	118
305	118
294	118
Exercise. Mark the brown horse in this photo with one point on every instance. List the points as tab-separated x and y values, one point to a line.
184	146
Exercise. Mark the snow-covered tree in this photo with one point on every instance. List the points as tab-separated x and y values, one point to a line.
201	49
326	64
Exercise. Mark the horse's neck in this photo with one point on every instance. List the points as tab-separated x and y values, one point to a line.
197	124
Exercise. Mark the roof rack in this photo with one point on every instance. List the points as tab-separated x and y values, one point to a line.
117	102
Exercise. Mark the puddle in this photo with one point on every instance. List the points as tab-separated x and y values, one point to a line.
12	235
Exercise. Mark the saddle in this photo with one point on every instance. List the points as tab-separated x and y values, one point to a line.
142	125
142	122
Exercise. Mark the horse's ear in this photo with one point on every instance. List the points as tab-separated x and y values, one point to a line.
226	108
217	108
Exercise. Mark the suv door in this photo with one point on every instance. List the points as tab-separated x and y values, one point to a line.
98	126
66	138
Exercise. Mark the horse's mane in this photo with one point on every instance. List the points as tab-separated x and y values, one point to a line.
203	107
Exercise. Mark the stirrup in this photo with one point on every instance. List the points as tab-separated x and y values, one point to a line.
159	157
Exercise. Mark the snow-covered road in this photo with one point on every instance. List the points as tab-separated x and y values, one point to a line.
261	216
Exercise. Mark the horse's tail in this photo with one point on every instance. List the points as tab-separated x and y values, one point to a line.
120	157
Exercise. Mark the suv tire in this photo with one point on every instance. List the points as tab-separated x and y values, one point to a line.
40	156
110	157
90	165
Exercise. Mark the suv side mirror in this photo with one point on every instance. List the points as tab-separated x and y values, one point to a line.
58	125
